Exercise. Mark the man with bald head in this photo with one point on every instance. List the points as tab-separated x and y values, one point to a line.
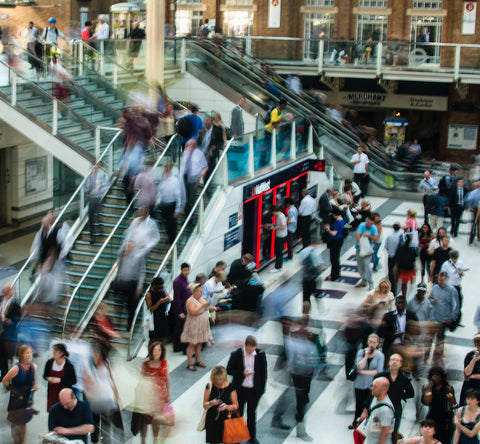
380	414
70	417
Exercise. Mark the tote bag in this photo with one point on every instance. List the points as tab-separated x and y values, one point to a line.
235	430
364	247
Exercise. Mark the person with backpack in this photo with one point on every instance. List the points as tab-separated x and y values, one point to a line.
428	186
273	119
50	36
189	126
335	242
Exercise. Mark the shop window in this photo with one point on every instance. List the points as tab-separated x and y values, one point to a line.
239	2
317	26
238	23
320	2
188	21
374	26
426	29
435	4
372	3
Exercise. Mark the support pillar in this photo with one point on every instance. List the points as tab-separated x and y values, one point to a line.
155	42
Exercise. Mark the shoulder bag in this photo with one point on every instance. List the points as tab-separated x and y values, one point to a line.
201	423
235	430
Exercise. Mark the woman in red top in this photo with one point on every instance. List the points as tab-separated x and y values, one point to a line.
156	367
103	329
59	373
411	226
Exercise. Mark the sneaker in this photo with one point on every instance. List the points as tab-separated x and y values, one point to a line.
370	287
275	270
286	261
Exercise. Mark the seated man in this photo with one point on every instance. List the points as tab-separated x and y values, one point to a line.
70	417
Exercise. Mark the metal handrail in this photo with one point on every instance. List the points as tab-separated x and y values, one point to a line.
177	238
100	251
58	218
80	118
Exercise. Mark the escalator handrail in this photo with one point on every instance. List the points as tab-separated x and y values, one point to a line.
87	314
177	238
64	210
51	98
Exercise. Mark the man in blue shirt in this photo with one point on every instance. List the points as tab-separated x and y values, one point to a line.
70	417
369	230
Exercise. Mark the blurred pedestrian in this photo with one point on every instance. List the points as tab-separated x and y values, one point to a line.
143	230
103	398
193	168
146	187
292	221
130	278
280	227
392	242
312	266
405	264
155	371
170	199
10	312
136	36
59	373
21	382
95	187
103	330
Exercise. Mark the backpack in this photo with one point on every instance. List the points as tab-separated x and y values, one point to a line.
205	30
45	31
268	116
184	127
443	186
430	204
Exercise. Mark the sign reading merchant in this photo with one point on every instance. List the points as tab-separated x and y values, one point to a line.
385	100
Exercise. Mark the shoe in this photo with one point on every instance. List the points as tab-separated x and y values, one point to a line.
286	261
279	424
275	270
352	426
360	284
192	368
370	287
302	433
254	441
200	364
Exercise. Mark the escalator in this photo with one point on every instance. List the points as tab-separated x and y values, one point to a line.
225	71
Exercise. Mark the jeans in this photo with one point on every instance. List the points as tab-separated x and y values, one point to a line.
376	259
363	264
279	243
302	390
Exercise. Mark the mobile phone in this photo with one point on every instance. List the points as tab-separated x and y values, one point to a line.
221	405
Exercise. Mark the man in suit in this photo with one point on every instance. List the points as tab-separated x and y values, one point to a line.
394	326
248	366
237	126
457	204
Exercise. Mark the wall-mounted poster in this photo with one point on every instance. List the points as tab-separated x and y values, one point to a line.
274	12
36	175
462	137
469	17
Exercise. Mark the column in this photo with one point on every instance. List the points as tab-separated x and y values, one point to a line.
155	41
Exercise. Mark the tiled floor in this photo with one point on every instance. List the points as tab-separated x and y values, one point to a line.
331	399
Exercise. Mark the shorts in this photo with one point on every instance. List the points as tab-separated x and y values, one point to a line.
407	276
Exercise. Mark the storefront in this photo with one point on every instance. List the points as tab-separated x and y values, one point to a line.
258	198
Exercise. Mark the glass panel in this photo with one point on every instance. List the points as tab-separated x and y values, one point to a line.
432	4
172	53
262	149
238	23
372	3
371	26
320	2
237	157
424	31
301	136
284	137
317	26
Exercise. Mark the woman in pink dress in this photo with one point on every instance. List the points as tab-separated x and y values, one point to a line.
197	326
410	227
156	368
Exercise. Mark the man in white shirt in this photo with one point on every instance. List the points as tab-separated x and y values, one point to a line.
360	170
280	228
102	32
170	199
428	186
307	207
193	167
143	231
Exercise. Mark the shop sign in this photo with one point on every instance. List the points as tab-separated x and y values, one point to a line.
232	220
469	17
385	100
274	12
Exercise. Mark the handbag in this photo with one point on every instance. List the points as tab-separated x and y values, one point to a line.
201	423
148	322
365	247
235	430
